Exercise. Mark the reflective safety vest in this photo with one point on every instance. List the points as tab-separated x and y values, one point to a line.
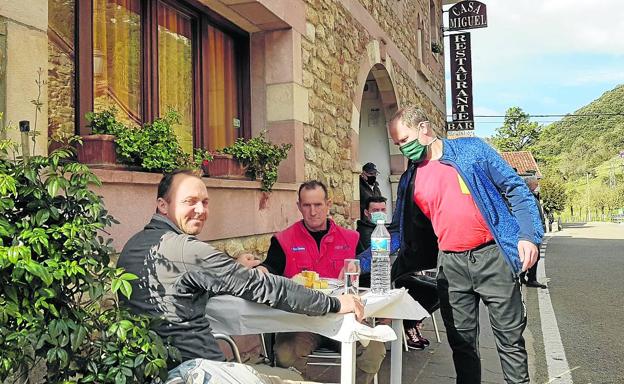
302	254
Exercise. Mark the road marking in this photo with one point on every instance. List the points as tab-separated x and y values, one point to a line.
553	379
559	371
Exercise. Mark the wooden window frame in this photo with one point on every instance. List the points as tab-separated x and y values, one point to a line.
202	16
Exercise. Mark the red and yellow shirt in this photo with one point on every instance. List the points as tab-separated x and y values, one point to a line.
444	198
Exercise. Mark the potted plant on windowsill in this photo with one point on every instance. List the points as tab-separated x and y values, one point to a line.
98	149
224	166
155	147
436	47
260	157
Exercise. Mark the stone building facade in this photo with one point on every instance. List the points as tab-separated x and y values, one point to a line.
324	75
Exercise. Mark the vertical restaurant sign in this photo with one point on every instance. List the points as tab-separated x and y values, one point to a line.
461	83
467	15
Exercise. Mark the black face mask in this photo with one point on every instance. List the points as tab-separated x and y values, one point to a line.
371	179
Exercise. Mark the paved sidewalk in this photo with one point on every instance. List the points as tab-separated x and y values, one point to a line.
434	365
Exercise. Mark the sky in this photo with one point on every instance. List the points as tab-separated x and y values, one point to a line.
544	56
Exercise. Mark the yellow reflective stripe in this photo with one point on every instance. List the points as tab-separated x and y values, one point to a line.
463	186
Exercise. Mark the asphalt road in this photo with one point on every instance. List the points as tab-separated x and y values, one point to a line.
585	269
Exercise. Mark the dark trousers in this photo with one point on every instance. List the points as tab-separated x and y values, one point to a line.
464	279
531	273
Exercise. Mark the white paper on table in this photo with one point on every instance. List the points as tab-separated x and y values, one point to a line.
396	304
235	316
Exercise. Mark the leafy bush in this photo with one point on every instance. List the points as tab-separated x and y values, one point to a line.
261	156
153	147
105	122
58	289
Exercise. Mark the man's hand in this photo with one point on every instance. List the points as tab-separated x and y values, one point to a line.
528	254
351	303
248	260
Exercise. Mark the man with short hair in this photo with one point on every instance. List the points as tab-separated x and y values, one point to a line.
369	186
452	205
178	274
425	295
318	244
375	209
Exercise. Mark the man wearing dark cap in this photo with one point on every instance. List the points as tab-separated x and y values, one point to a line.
369	186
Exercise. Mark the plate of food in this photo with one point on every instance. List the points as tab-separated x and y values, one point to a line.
312	280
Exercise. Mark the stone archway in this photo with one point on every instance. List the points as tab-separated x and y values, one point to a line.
374	104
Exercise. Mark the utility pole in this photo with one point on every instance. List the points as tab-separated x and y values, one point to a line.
587	196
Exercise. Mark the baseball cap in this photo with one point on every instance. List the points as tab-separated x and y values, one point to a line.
370	168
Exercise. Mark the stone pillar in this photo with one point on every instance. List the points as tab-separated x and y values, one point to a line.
286	98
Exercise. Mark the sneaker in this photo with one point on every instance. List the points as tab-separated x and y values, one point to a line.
413	341
535	284
421	337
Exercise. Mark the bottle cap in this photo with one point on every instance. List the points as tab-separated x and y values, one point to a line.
380	222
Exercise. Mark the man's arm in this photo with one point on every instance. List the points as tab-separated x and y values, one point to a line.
217	273
276	258
523	205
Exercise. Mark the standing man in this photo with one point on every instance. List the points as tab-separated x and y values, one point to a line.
453	206
531	274
178	274
369	186
317	244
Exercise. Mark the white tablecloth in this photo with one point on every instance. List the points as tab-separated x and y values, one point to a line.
235	316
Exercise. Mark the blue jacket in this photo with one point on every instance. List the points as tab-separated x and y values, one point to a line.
504	200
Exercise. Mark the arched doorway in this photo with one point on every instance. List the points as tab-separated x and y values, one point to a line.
378	105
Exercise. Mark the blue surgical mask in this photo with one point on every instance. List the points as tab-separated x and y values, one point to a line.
375	216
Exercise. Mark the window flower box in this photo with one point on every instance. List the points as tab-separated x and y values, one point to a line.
224	166
98	150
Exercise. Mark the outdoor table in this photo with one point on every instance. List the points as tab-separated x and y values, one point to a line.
235	316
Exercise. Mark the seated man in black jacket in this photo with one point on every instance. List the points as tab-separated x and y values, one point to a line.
375	209
178	274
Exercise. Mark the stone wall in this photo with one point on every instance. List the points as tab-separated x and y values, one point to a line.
407	93
257	245
61	67
332	51
400	19
60	92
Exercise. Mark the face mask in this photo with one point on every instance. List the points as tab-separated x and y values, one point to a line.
414	151
378	216
371	179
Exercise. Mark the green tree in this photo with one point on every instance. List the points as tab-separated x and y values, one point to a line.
552	194
517	132
58	290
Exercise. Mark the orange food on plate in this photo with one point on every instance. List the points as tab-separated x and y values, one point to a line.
310	279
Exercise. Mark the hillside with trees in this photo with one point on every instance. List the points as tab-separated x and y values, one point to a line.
580	152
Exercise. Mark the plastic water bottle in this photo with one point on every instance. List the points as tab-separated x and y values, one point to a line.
380	266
